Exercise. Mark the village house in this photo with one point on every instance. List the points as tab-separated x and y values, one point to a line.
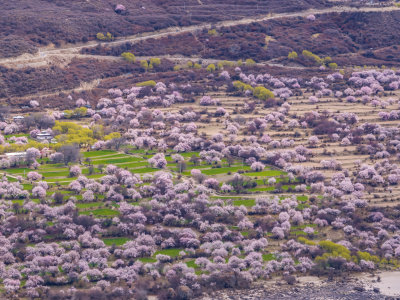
18	119
44	136
15	155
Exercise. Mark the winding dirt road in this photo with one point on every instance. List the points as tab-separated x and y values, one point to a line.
50	56
61	56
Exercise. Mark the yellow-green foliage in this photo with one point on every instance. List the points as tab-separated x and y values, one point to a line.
80	111
313	56
155	61
211	68
335	249
241	86
292	55
68	113
367	256
129	57
224	63
77	112
98	131
239	62
112	135
144	64
306	241
64	127
263	93
212	32
108	37
100	36
250	62
151	83
189	65
333	66
394	262
72	133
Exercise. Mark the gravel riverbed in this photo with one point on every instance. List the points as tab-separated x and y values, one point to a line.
360	287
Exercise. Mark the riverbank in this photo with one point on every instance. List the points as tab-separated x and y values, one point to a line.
381	285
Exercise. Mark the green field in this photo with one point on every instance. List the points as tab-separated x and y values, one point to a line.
97	153
245	202
173	252
268	173
115	241
226	170
101	212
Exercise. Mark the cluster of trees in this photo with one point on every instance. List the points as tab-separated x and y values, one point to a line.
223	244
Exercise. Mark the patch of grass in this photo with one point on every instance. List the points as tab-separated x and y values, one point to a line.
11	179
88	205
110	156
115	241
95	176
19	201
107	161
61	181
27	186
173	252
268	173
147	260
268	257
135	151
97	153
302	198
192	264
134	164
101	212
245	202
262	189
216	171
302	206
286	187
62	174
7	136
189	154
144	170
18	170
298	233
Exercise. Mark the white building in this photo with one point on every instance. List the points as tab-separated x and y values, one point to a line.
18	118
17	155
44	136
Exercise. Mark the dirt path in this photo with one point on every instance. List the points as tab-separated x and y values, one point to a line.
86	86
43	55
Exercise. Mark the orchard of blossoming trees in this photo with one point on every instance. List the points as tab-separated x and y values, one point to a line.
160	190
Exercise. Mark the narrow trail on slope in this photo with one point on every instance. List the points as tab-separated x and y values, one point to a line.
88	85
42	56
